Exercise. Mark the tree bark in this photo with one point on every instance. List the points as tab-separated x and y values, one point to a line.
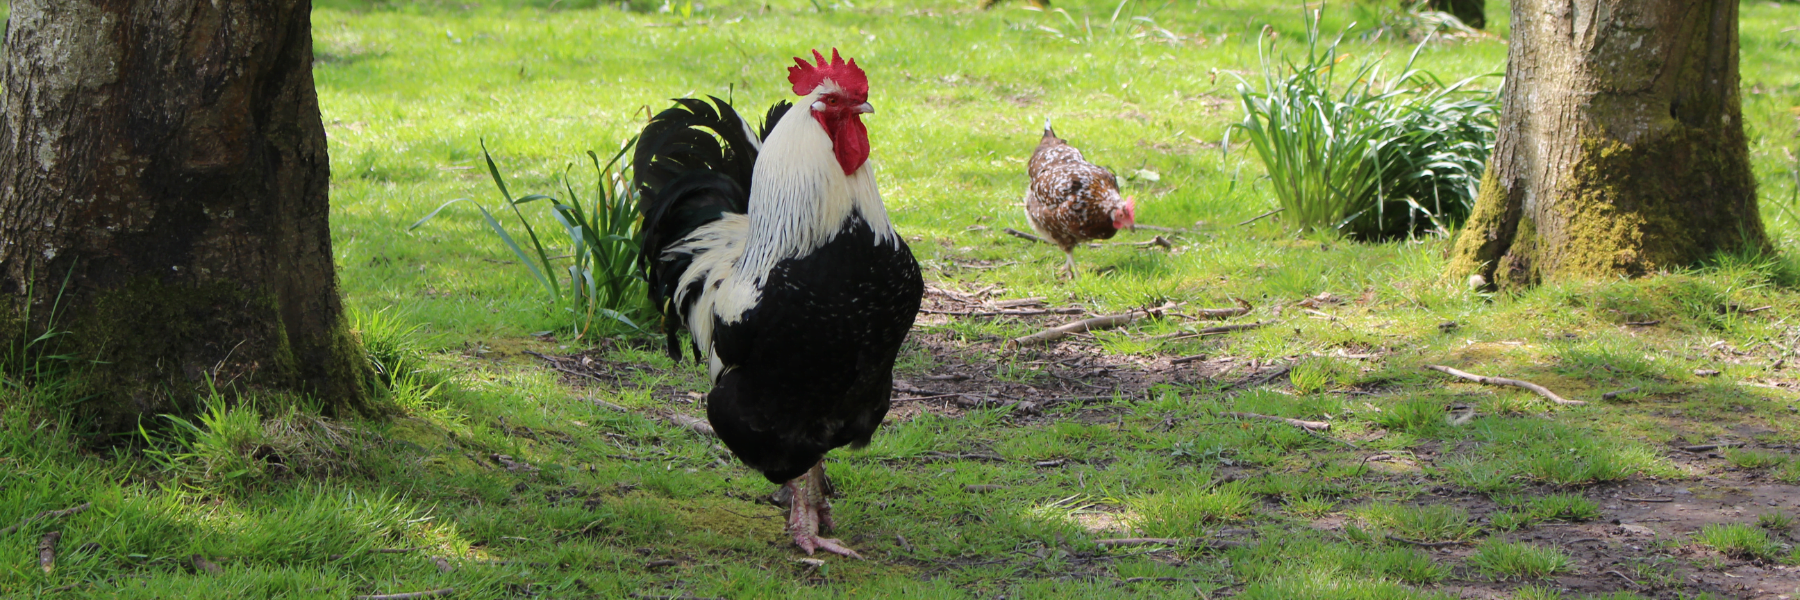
163	181
1621	148
1471	12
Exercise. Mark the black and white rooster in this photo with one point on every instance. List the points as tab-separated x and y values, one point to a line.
773	249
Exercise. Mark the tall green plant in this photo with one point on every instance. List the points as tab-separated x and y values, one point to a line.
1369	160
602	234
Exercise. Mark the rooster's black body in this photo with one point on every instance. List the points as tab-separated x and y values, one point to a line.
773	249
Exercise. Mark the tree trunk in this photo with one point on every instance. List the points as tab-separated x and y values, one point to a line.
1621	148
163	181
1471	12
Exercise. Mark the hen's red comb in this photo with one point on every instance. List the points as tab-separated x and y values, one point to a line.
806	76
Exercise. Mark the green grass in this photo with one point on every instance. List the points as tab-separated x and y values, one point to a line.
1510	560
289	504
1738	540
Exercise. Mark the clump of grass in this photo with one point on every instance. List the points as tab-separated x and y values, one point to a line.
1316	375
1775	521
232	444
1536	592
1738	540
1183	513
1753	459
1373	163
602	284
1789	473
1422	523
1505	560
1311	506
1554	507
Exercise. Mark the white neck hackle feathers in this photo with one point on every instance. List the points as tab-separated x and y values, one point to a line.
800	199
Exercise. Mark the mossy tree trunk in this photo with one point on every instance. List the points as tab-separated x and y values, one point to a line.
1471	12
166	160
1621	148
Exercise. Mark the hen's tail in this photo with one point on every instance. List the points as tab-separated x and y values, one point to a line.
692	166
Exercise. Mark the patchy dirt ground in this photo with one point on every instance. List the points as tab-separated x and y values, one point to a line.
1641	544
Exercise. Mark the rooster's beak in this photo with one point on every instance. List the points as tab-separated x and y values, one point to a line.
865	108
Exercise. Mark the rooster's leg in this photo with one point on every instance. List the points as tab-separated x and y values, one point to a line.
804	514
821	488
1069	265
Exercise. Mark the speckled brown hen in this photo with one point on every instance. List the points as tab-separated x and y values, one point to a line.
1071	200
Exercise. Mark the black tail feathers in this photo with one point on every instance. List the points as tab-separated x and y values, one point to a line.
693	165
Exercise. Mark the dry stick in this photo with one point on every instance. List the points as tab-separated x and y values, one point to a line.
1631	499
1018	302
1611	395
1212	331
1535	388
1115	542
1156	228
1084	325
1259	217
1020	234
1307	425
408	595
47	551
1000	313
692	424
558	366
1221	313
48	514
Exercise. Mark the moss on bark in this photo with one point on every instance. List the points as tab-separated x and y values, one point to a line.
156	348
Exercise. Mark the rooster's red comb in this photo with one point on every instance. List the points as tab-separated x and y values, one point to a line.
806	76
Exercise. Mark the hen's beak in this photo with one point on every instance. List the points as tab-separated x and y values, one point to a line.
865	108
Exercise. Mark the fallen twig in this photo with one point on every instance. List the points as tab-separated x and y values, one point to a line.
407	595
1643	323
1221	313
1020	234
48	514
1535	388
1018	302
1610	395
1630	499
47	550
1303	424
1212	331
1120	542
1259	217
1182	360
699	426
1084	325
1157	228
607	405
1028	312
557	366
1710	447
1263	380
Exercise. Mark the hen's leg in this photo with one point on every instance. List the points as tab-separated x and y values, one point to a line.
1069	265
804	514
